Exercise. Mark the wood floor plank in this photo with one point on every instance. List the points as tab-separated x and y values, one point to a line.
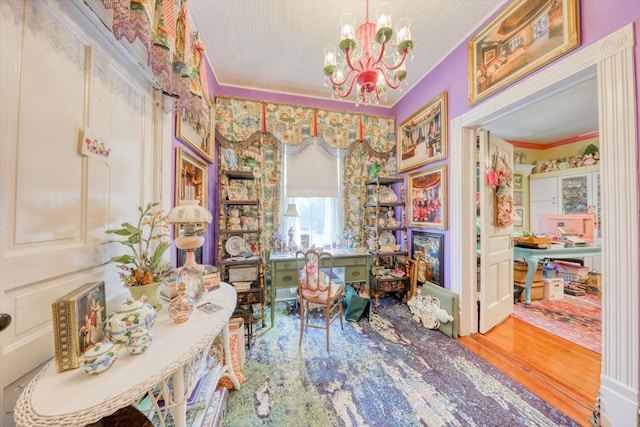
564	374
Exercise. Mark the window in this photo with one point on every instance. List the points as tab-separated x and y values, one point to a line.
311	179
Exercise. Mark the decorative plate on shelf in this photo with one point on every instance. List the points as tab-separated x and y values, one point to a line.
237	191
235	245
387	238
387	195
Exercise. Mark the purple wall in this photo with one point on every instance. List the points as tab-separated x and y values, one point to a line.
598	19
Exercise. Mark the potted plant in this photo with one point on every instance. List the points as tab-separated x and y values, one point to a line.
145	268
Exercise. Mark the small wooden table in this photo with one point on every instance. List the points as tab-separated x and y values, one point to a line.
179	352
533	256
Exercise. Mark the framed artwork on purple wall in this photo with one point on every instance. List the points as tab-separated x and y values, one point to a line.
198	132
526	36
422	138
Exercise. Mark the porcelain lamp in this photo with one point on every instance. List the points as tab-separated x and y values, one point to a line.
191	219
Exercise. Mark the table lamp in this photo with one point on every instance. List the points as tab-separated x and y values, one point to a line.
191	219
291	212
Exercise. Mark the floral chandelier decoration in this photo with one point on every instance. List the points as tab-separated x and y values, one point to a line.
362	63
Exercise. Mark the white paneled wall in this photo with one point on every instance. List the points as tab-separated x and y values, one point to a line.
59	77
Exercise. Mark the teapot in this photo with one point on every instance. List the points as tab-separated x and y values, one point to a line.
123	322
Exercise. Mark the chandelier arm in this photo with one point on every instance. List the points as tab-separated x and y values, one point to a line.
386	79
398	65
337	83
351	67
340	93
380	59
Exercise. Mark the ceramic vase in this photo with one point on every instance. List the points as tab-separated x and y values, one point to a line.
151	291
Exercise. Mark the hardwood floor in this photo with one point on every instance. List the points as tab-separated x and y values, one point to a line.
560	372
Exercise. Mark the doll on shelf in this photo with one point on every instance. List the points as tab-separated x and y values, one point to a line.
234	222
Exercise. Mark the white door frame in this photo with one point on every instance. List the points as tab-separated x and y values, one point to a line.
611	61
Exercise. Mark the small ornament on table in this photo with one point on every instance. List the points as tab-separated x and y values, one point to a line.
278	239
349	237
181	306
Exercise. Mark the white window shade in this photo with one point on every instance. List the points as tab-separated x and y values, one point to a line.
312	173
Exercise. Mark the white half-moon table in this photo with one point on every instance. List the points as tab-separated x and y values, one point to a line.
179	355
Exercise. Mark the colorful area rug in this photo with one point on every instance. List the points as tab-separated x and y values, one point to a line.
574	318
390	371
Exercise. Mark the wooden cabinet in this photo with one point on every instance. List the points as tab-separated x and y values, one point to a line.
239	242
386	237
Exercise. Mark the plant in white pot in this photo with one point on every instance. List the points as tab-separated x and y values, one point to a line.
145	268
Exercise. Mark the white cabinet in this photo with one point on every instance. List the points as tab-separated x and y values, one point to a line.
569	191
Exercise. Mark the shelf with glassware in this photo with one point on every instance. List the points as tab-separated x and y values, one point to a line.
239	243
385	221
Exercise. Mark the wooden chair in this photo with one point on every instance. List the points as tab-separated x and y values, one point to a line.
316	287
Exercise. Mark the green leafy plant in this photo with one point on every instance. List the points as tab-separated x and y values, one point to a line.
148	242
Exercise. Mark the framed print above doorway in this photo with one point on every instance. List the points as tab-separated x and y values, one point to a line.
524	37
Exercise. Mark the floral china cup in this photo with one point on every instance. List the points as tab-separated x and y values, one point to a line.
122	322
139	341
99	358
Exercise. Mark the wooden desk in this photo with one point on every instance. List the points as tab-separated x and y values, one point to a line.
533	256
179	352
284	274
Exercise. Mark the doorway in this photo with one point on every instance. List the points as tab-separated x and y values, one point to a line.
617	128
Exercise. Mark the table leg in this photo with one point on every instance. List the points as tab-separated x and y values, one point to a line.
179	410
532	266
273	302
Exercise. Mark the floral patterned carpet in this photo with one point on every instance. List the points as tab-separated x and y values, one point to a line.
574	318
389	371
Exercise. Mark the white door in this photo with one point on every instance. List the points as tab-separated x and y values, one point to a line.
496	249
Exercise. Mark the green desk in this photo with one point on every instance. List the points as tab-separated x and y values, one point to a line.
533	256
284	274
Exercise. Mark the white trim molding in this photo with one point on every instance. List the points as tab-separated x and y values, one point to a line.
611	61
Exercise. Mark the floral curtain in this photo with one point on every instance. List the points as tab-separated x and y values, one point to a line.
279	128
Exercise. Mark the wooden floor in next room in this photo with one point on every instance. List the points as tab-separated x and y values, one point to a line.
564	374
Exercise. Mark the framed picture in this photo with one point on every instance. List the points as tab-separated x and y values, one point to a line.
517	181
431	248
428	198
519	222
191	178
78	323
518	198
198	132
422	138
524	37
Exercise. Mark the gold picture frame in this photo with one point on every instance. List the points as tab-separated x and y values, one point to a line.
422	138
198	134
524	37
78	323
192	179
428	198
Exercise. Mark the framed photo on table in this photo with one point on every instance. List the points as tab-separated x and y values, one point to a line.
524	37
428	198
422	138
78	323
198	132
431	248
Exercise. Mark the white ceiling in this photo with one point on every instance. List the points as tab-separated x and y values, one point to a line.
277	46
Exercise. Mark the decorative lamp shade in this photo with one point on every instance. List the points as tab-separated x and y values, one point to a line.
188	212
291	210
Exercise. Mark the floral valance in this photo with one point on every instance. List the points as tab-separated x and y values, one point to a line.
238	118
174	53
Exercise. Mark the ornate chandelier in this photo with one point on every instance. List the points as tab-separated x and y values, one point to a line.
362	59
